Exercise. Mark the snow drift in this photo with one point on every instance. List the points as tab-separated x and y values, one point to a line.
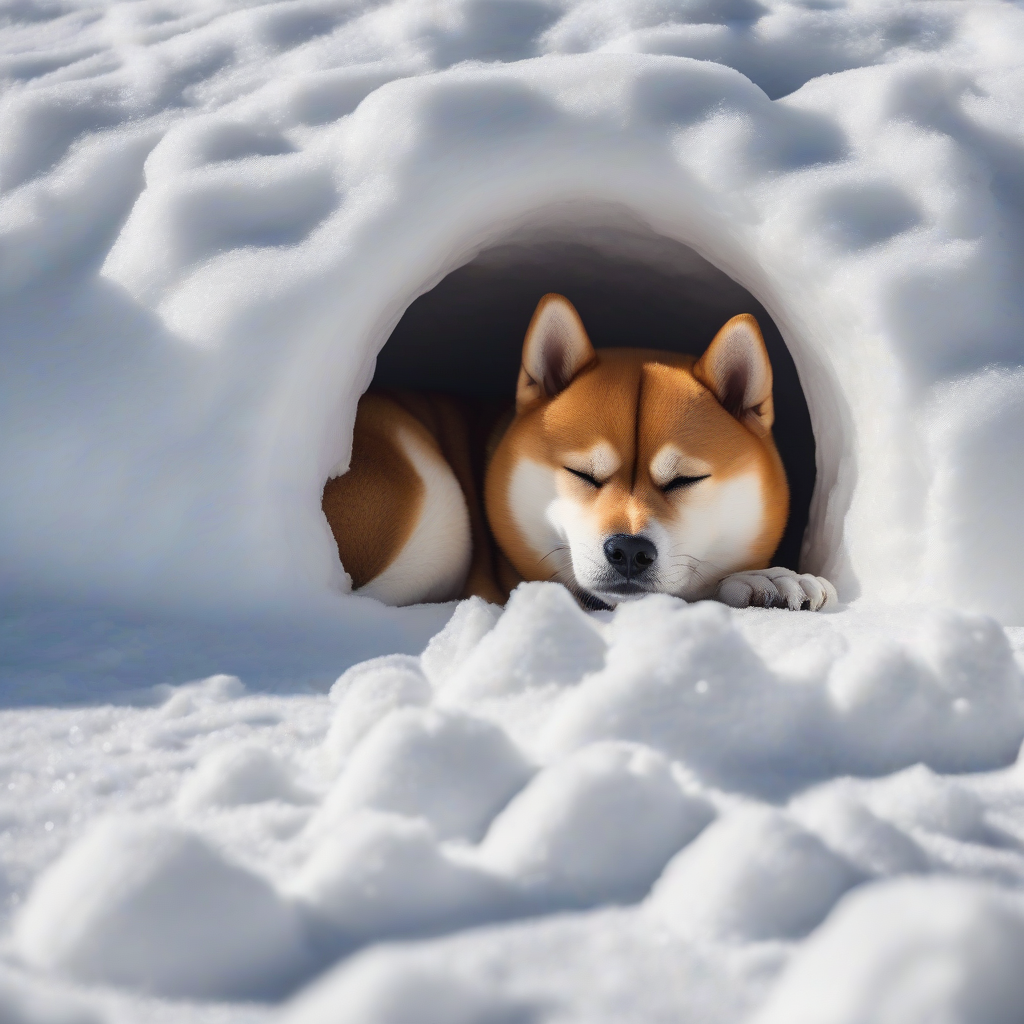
757	812
236	230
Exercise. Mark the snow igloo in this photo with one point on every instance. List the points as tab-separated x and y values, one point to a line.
286	247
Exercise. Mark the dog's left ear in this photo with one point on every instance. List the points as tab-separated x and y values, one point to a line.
736	370
555	350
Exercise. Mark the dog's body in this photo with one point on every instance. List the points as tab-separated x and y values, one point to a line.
620	472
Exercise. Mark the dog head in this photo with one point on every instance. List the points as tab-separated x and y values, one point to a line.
631	471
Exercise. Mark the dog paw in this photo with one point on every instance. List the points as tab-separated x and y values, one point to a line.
777	588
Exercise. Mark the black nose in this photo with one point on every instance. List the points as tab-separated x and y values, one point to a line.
629	555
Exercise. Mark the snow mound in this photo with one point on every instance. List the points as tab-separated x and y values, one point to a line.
239	205
155	908
847	825
446	766
542	640
754	874
365	694
446	651
373	992
909	952
595	827
199	696
668	824
232	776
383	875
760	701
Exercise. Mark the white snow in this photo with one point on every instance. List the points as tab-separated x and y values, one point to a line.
212	216
686	826
379	875
909	951
595	826
453	769
232	776
236	205
153	907
752	875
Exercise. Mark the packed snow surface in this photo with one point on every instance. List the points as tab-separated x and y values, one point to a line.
212	215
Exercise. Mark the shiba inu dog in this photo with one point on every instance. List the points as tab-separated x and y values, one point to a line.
619	473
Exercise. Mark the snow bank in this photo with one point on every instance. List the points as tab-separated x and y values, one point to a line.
757	700
236	215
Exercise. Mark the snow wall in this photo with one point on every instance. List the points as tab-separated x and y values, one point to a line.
195	303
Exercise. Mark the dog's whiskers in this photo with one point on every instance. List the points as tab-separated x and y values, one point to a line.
559	547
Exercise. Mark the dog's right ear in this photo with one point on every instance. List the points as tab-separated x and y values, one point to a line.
555	350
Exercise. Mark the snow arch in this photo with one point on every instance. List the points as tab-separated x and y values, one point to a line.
272	251
777	196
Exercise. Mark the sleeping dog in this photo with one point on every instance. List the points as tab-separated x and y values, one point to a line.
619	473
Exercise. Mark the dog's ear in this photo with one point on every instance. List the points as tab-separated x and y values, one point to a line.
736	370
555	350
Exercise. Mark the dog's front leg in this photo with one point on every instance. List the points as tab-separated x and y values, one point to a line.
777	588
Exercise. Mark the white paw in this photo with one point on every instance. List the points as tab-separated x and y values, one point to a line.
777	588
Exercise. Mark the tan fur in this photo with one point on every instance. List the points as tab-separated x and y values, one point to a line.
372	508
636	402
604	402
652	446
451	423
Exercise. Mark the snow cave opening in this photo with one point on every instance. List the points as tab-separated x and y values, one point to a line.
633	289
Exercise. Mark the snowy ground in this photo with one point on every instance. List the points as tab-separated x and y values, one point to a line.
667	813
211	216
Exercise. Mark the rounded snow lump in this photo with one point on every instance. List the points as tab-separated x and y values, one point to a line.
908	951
381	986
365	694
598	825
192	697
455	770
237	775
382	874
918	799
682	679
876	846
543	638
473	619
155	908
753	874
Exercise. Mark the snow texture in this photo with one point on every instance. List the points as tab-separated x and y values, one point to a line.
212	217
715	815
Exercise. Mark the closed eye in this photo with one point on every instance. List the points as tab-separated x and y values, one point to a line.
683	481
583	476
